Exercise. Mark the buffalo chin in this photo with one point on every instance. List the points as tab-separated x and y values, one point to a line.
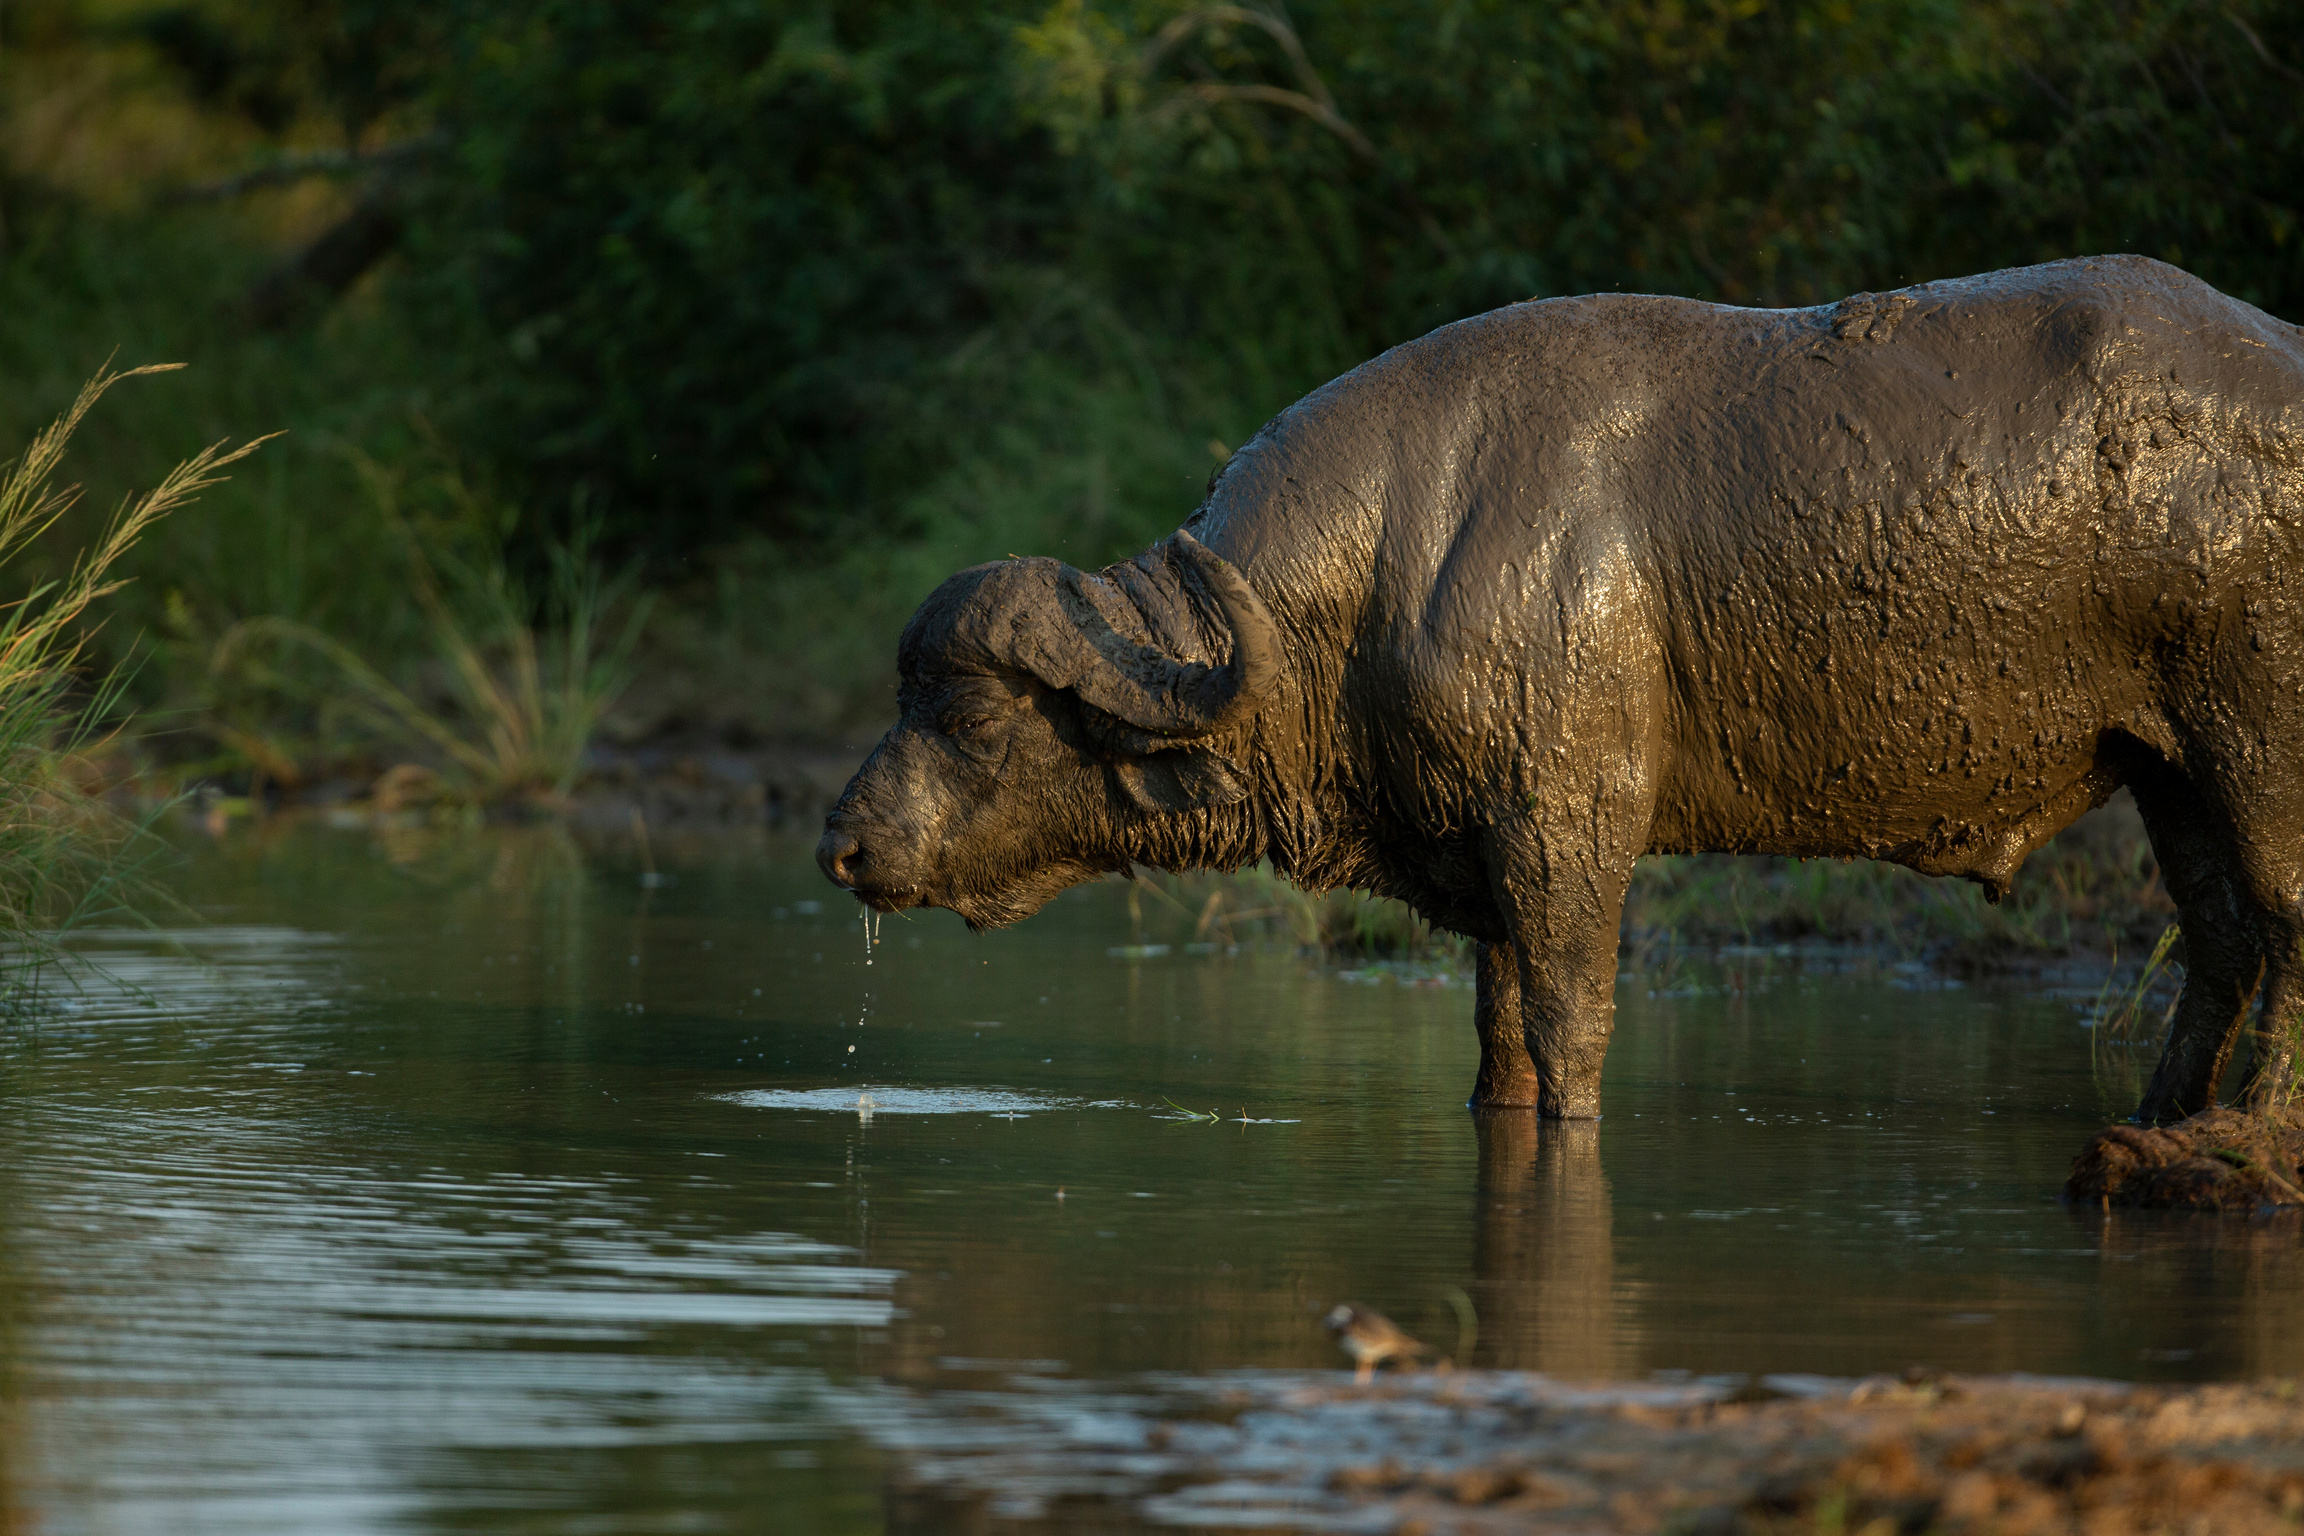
1017	900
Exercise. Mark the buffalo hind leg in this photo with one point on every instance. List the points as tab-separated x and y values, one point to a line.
2278	1065
2271	851
1562	895
1507	1077
2277	1062
2223	942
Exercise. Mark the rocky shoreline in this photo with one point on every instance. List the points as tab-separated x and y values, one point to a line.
1471	1453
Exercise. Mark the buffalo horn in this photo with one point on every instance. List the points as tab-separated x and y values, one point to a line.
1160	696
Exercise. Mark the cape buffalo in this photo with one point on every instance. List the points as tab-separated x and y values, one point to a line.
1917	576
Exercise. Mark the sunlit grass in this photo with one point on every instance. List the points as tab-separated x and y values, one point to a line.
2124	1009
65	856
2279	1080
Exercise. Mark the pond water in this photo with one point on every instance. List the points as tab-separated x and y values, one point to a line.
483	1183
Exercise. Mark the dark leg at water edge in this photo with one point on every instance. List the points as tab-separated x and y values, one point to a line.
1507	1077
2279	1053
1566	900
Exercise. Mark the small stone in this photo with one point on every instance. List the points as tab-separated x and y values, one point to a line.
1484	1485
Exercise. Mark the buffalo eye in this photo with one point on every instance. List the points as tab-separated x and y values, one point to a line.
968	714
971	711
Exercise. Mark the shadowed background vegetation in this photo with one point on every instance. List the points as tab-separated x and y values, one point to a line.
781	310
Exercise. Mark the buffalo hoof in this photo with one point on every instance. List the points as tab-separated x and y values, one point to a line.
2166	1109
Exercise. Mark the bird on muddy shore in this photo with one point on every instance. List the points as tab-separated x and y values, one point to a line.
1370	1338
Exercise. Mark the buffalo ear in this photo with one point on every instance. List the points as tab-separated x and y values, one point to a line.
1181	779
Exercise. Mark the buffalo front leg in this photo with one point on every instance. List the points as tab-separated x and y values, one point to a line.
1507	1077
1561	889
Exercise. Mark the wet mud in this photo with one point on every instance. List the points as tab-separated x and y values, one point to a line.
2220	1160
1492	1452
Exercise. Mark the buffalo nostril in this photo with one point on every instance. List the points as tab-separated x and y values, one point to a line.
839	855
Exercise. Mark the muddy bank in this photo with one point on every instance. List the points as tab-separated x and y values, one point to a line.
673	785
2223	1160
1482	1452
668	785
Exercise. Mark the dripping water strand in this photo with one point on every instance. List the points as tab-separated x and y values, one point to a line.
871	936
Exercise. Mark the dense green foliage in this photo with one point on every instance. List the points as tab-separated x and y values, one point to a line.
812	303
723	246
739	254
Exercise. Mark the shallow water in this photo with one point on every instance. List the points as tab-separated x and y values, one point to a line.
482	1185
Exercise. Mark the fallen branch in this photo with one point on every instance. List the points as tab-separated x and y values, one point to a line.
1212	93
332	263
318	162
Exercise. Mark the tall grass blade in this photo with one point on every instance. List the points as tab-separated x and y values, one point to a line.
66	858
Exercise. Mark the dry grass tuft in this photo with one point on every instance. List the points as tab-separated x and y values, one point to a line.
526	684
64	855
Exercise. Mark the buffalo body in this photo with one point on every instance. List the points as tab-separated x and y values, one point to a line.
1918	576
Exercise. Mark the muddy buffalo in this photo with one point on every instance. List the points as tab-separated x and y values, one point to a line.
1918	576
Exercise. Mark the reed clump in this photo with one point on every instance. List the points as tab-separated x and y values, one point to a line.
520	683
67	857
2133	1011
2276	1080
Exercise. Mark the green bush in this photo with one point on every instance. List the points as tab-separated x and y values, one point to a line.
811	304
736	257
726	252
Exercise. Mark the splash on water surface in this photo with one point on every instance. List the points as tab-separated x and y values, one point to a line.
914	1101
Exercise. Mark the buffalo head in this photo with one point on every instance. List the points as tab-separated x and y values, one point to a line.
1046	716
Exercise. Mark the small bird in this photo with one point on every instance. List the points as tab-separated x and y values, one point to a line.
1370	1338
